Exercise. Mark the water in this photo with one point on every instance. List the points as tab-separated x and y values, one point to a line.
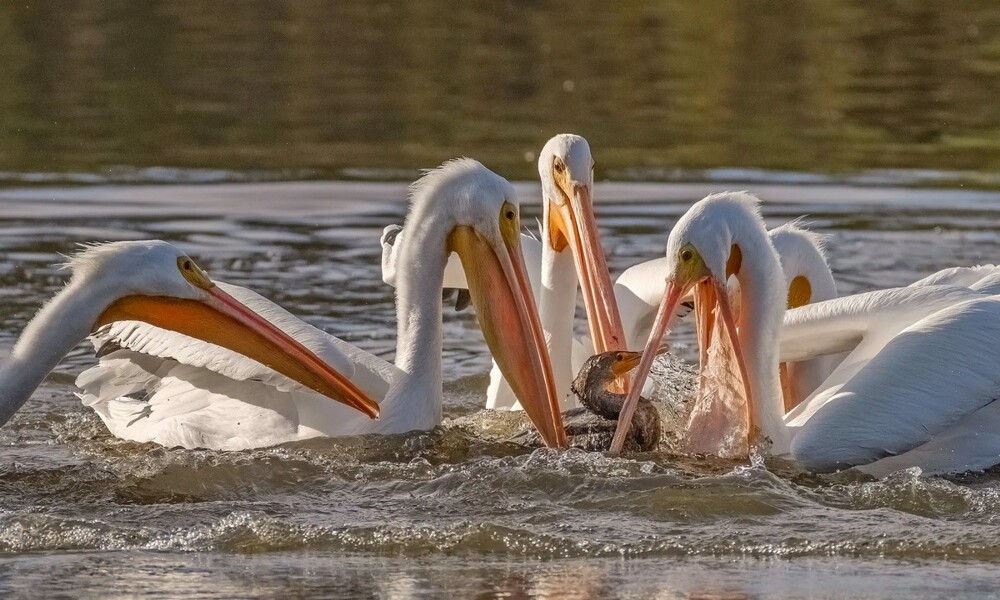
447	512
307	88
822	108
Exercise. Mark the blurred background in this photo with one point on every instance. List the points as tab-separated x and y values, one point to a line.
104	91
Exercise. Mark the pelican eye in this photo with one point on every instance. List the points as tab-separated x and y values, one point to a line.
559	166
507	220
193	273
619	357
687	255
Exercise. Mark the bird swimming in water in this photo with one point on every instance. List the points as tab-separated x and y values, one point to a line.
592	426
591	387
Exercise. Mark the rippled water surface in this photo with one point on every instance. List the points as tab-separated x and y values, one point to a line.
446	512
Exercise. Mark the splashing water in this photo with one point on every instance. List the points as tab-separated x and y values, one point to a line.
453	508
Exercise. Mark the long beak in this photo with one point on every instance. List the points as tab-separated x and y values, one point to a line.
579	226
729	322
505	308
704	306
671	298
786	386
222	320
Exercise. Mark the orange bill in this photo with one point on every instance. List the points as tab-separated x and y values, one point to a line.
729	323
222	320
709	296
505	308
786	387
575	223
671	298
625	363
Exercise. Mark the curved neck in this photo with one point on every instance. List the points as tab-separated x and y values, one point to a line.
557	312
762	308
595	396
422	259
59	326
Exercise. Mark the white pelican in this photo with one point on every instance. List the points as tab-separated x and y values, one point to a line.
808	279
155	386
154	282
637	291
568	253
917	389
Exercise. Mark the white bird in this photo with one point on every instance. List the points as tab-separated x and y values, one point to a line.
569	253
179	392
808	278
154	282
637	291
918	388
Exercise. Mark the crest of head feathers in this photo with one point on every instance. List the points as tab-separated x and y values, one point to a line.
447	174
741	199
459	191
798	228
91	256
92	259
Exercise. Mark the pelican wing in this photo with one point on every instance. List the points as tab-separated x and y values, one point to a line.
164	387
925	381
960	276
840	324
972	444
638	292
988	285
389	253
173	404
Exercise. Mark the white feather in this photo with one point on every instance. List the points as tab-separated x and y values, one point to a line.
167	388
960	276
195	394
924	381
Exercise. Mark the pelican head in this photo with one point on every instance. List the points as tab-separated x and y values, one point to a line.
146	268
803	261
154	282
476	212
705	248
566	169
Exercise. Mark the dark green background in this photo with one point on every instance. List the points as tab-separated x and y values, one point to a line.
315	88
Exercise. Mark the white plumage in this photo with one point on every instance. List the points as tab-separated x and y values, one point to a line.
638	291
118	289
918	382
174	390
163	387
565	167
927	381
